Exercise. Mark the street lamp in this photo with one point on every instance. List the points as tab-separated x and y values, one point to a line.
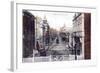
75	49
48	36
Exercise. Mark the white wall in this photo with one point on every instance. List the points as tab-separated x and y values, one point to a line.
5	33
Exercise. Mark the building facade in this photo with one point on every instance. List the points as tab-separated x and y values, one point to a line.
78	33
82	29
28	34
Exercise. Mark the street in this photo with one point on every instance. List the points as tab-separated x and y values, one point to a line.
56	52
59	46
59	51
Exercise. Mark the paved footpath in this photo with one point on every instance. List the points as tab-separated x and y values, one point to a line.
60	46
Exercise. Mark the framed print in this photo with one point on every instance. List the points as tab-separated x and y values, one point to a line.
52	36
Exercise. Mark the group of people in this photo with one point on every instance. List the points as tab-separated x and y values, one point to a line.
40	49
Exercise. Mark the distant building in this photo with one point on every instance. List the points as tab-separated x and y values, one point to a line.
65	33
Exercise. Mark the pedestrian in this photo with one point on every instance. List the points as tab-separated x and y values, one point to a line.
57	41
77	45
37	46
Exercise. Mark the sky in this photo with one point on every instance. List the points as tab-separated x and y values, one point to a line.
56	20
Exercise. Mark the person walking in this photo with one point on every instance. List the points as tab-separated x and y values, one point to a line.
37	46
77	45
57	40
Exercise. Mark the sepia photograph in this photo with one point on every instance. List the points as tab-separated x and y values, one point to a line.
52	36
49	36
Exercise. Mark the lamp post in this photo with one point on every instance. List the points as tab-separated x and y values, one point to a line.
68	37
75	48
43	37
48	36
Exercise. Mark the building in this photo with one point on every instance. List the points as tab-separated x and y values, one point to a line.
65	34
82	29
78	32
28	34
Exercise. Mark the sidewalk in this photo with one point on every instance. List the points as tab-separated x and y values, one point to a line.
79	57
